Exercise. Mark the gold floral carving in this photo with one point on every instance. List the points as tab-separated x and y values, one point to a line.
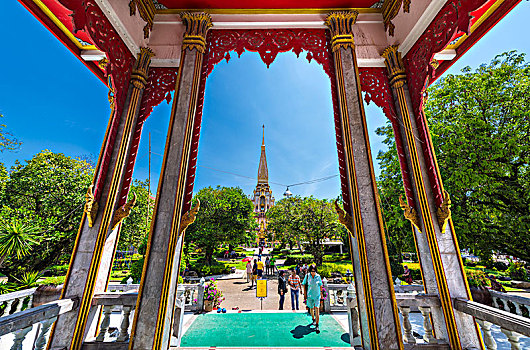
123	212
444	212
390	10
344	218
91	206
197	24
139	71
410	213
189	217
340	25
102	63
395	66
147	10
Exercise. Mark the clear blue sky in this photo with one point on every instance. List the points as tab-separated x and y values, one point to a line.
50	100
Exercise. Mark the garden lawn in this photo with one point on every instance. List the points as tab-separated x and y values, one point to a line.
255	329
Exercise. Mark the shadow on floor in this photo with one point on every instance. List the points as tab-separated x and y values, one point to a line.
345	338
300	331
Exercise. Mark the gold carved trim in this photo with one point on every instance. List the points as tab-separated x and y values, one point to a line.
189	217
91	206
141	66
262	11
340	25
395	66
410	213
344	218
444	212
390	10
197	24
147	11
123	212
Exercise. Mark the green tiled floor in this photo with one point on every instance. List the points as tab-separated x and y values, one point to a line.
263	330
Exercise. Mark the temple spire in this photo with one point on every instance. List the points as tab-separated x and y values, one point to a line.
263	172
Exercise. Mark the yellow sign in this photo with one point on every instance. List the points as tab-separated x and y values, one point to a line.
261	288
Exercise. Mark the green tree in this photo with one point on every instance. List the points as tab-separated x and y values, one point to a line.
136	226
46	192
7	141
16	239
309	220
225	217
480	126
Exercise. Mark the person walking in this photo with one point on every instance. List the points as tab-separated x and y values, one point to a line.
267	266
282	288
312	288
254	273
296	285
260	269
273	265
249	271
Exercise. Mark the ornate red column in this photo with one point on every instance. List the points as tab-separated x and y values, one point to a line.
94	248
380	326
437	248
153	319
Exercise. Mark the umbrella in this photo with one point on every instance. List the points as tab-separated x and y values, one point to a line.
248	258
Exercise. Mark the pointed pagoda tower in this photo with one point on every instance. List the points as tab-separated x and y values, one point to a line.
262	198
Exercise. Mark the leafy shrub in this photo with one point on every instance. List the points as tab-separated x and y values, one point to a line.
203	269
55	280
499	266
136	270
28	279
477	278
471	263
517	271
328	268
298	258
335	257
58	270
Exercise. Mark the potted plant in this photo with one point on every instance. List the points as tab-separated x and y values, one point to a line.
212	296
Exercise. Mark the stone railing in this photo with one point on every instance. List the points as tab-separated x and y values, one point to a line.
408	302
512	325
124	303
31	326
511	303
16	301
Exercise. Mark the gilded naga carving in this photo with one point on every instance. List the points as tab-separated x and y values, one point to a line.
344	218
189	217
444	212
410	213
123	212
91	206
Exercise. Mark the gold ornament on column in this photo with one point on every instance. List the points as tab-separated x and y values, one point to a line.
409	213
123	212
340	26
344	218
197	24
444	212
395	66
147	11
91	206
139	72
189	217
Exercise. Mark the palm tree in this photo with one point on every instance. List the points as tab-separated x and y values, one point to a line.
16	239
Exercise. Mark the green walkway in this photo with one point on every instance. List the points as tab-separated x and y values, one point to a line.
256	329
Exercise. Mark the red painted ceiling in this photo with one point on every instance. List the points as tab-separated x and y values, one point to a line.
265	4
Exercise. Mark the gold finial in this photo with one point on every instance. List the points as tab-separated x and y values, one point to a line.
444	212
340	25
123	212
189	217
395	66
344	218
197	24
91	206
410	213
